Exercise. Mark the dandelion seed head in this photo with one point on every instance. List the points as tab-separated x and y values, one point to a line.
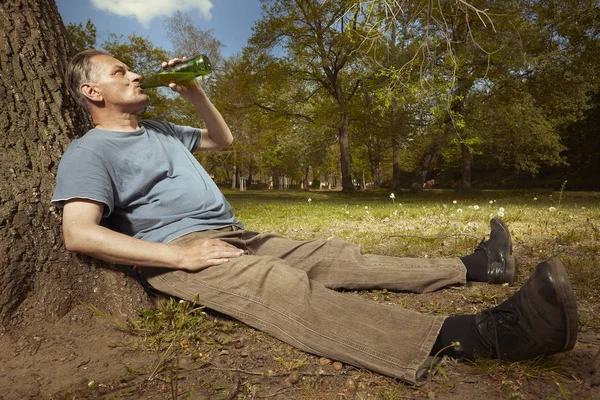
501	209
476	207
309	199
392	196
500	213
459	210
454	201
552	209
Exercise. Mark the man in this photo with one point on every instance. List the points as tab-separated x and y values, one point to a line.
133	194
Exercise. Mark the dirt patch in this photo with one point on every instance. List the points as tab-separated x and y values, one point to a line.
85	357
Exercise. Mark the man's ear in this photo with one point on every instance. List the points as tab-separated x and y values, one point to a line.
90	92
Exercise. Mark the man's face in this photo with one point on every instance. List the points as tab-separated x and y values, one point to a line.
117	84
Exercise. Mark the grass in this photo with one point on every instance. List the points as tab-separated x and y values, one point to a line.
432	224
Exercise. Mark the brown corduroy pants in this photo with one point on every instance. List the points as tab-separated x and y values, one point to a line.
285	288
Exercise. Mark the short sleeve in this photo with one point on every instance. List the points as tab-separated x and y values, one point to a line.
191	137
83	175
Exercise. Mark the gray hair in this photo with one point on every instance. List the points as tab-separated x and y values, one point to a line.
81	70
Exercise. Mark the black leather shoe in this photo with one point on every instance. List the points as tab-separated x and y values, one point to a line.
501	262
540	319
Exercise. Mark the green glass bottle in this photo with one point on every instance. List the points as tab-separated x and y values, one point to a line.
181	72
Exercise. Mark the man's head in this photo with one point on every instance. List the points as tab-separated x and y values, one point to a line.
98	80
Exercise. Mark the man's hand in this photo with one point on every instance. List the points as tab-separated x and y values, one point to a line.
203	253
188	90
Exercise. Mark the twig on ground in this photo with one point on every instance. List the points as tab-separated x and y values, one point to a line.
236	387
266	374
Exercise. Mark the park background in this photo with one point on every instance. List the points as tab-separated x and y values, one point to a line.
347	108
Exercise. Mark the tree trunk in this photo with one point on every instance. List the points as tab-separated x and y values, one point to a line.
345	157
467	164
425	164
396	171
305	180
38	277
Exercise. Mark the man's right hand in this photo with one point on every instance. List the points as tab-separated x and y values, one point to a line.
203	253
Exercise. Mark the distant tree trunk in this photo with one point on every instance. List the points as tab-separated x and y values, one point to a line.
345	157
425	163
250	177
234	177
305	181
396	171
467	165
38	277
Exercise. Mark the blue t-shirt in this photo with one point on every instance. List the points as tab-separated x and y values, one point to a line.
152	186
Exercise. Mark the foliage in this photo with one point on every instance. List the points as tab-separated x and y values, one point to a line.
82	38
435	88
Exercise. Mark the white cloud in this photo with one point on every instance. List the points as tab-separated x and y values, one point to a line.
145	10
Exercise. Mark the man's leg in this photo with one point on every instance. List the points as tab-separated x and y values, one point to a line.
340	264
268	294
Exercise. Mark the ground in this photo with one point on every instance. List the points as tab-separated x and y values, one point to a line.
83	356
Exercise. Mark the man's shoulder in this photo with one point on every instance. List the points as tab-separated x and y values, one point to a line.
157	125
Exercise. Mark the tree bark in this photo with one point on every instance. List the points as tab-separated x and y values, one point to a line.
38	277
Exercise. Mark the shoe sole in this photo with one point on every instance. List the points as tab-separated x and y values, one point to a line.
567	298
510	259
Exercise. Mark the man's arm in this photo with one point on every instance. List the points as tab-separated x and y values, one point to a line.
217	135
84	234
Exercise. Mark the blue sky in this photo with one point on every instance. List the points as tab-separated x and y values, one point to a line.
231	20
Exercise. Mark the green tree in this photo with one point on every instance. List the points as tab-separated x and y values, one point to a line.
82	37
319	39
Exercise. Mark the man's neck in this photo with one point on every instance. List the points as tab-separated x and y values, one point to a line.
120	123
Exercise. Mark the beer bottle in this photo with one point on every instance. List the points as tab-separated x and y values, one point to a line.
181	72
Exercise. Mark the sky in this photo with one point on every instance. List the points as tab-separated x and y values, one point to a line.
230	20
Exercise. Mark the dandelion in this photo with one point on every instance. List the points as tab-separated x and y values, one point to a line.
583	208
347	212
475	207
491	215
459	210
395	212
491	201
393	197
535	199
454	201
366	207
367	211
500	214
444	206
455	225
552	209
501	209
309	199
